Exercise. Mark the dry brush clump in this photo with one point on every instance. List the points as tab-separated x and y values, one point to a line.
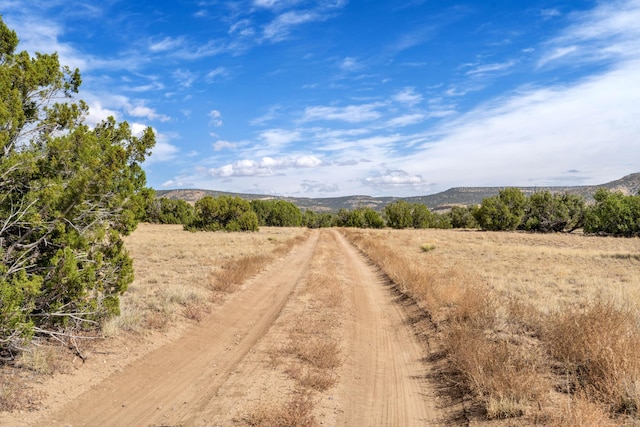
231	274
598	349
296	412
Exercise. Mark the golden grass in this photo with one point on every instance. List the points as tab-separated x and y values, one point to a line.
43	359
178	274
296	412
524	315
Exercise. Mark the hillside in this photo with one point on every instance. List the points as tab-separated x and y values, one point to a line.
629	184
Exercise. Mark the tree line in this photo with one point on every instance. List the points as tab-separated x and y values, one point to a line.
544	212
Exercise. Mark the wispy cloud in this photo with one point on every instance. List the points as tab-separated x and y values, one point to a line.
584	124
350	114
490	68
185	78
279	137
550	13
557	53
217	74
408	96
279	28
608	32
350	64
406	120
272	113
167	44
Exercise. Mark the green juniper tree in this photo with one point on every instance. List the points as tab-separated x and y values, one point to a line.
68	193
502	212
224	213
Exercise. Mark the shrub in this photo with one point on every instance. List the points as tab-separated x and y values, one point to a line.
224	213
598	349
614	214
502	212
67	195
546	212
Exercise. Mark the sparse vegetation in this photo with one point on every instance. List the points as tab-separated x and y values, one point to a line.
296	412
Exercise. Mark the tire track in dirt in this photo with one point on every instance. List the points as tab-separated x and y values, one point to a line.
383	378
183	376
218	365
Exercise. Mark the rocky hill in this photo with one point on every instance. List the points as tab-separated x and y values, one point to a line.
630	184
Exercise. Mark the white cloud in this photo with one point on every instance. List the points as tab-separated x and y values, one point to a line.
103	105
408	96
279	137
609	31
490	68
215	118
280	27
350	114
177	182
217	73
406	120
557	53
221	145
550	13
185	78
162	151
350	64
98	113
137	129
271	114
265	3
42	35
167	44
267	166
149	113
395	178
591	126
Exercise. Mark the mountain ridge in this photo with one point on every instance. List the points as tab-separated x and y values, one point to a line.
456	196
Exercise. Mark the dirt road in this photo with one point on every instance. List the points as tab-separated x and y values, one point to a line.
212	371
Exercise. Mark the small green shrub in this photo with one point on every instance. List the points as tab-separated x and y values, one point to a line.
427	247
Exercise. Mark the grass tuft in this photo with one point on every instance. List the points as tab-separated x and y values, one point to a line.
427	247
297	412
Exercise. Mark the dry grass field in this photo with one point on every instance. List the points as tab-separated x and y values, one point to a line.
530	329
180	274
537	329
179	277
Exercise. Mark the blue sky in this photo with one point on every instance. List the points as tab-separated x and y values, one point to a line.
329	98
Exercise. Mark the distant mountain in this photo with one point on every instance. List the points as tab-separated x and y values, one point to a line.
464	196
